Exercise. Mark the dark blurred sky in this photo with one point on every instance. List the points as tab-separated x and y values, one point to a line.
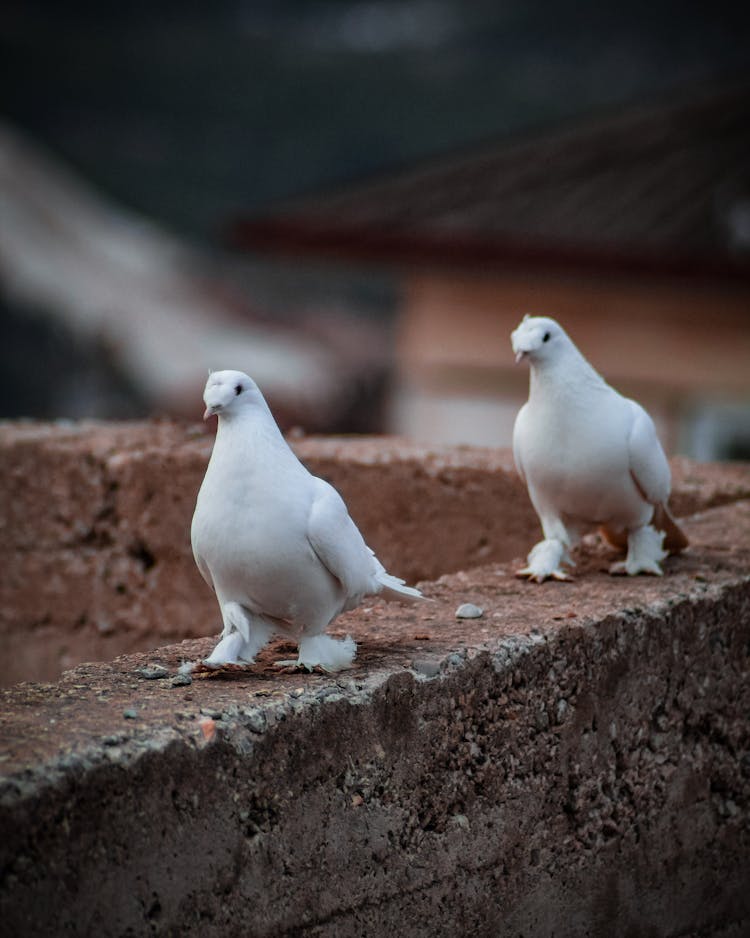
194	112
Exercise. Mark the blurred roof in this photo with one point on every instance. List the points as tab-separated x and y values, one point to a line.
661	188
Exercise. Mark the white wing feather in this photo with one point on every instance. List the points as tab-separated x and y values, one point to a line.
648	464
338	543
201	564
517	431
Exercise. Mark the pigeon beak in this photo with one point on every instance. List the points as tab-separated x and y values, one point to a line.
519	355
211	410
207	413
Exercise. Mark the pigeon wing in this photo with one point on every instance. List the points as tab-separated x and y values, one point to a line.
517	446
204	571
199	561
338	543
648	464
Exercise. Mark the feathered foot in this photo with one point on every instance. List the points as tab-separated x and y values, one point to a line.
645	551
228	651
241	640
544	561
323	652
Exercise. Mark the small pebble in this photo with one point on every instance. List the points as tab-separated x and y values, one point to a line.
211	712
429	667
333	697
255	720
331	691
153	672
130	714
181	680
469	611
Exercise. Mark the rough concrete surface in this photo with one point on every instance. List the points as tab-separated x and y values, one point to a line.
95	527
574	762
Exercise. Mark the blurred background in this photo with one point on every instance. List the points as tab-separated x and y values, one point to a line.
356	201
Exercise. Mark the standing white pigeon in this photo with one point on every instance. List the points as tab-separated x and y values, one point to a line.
276	543
589	457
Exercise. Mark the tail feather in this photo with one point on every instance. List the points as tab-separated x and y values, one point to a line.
392	587
675	539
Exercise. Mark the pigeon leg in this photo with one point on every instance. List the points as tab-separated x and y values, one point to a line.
645	551
242	638
544	561
235	619
227	651
323	652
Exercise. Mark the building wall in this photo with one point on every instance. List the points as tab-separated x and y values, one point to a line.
681	349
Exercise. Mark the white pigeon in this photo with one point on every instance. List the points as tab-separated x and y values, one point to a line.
276	543
589	457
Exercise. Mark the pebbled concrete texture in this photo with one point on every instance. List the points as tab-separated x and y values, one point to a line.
575	761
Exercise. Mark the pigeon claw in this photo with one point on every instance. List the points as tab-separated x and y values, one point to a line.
539	576
545	561
622	568
645	550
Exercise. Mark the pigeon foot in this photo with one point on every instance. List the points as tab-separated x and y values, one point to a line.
621	568
645	551
322	651
239	647
526	573
544	562
228	651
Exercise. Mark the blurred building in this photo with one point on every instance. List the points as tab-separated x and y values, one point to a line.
103	313
632	229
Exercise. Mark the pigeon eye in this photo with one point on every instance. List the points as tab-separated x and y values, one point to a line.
238	389
546	337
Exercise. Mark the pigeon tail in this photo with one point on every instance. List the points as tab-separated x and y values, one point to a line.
392	587
675	539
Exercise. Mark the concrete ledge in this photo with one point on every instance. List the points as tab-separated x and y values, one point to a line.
95	522
576	761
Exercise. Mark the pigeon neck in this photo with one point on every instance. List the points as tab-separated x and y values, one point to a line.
568	373
250	426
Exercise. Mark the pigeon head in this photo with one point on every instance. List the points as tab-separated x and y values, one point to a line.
538	338
229	393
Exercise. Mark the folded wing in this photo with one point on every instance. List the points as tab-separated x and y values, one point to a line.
338	543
